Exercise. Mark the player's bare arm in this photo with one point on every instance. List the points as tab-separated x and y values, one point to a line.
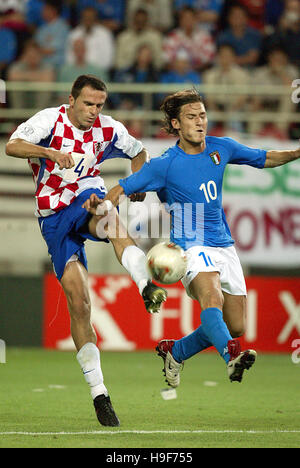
138	161
100	207
19	148
136	165
116	192
279	158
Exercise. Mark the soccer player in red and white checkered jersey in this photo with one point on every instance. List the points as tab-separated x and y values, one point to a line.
65	147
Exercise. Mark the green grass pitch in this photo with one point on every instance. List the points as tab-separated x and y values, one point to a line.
45	402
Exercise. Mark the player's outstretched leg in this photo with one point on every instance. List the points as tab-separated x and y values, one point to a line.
239	360
135	262
171	368
132	258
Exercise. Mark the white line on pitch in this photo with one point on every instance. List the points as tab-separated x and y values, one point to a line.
151	432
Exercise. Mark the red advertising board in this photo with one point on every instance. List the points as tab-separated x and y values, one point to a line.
122	323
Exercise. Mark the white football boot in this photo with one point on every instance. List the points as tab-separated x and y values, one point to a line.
239	360
171	368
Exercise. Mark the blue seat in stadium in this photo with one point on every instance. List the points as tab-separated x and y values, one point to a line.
8	46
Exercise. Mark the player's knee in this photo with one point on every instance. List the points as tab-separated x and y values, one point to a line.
237	331
211	299
79	308
107	226
78	302
238	328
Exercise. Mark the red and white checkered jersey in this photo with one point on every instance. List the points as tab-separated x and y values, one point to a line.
199	47
51	128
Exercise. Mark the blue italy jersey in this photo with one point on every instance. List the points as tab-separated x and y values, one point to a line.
191	188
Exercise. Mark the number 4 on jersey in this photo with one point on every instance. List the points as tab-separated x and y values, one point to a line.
82	165
79	168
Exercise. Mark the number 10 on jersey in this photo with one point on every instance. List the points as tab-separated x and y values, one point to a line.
210	190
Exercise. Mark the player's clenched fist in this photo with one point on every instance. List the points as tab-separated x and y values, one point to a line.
137	197
92	203
64	160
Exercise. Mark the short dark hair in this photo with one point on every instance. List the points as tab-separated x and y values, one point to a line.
56	4
186	9
238	6
172	105
141	11
276	48
226	45
87	80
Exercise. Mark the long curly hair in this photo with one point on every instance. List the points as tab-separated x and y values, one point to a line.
172	105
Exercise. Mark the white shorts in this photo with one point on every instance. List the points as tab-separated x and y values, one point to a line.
224	260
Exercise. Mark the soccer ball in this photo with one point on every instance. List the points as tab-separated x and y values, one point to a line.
167	262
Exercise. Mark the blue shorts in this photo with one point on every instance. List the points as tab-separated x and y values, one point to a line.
66	231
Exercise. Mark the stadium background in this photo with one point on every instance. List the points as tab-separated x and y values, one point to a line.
262	208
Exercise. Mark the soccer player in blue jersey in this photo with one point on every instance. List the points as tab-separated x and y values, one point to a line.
188	178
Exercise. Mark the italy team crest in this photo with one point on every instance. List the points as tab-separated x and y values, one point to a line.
216	158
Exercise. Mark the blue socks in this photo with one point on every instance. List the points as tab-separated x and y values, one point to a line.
216	330
191	344
213	331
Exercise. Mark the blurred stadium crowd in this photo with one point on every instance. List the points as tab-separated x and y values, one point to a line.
156	41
